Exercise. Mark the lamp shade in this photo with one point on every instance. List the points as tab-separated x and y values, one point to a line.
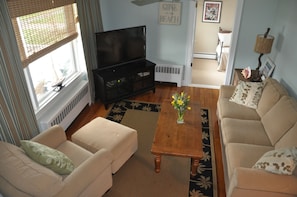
263	45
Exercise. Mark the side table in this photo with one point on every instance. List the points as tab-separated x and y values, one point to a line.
239	77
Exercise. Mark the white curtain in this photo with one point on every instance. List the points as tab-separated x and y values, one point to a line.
17	117
89	14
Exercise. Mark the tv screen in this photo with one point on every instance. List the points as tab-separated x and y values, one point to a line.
120	46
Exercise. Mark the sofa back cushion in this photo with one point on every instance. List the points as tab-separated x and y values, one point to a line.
26	175
289	139
271	93
280	118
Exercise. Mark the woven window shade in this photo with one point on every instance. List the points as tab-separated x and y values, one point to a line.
25	7
41	27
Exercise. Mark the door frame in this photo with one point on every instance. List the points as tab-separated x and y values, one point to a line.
191	37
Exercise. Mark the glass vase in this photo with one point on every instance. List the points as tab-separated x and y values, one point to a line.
180	117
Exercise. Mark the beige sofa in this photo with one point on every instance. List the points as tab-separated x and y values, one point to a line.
248	133
20	176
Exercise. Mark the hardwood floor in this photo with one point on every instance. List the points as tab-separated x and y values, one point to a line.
206	97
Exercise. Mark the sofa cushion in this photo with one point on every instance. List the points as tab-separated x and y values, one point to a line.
244	131
247	93
243	155
279	161
289	139
281	117
226	91
227	109
48	157
26	175
271	93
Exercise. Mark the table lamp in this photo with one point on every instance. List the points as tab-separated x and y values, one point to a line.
263	46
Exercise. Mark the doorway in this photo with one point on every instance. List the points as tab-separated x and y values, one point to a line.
205	65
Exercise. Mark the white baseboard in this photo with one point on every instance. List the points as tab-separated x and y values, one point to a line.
205	55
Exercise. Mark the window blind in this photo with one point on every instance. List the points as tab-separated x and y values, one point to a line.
41	26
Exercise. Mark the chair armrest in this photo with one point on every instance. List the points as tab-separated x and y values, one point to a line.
86	173
51	137
226	91
262	181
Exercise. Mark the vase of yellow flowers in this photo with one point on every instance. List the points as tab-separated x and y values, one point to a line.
180	102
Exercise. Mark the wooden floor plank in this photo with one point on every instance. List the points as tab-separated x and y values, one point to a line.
206	97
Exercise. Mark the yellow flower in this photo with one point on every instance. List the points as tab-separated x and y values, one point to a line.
180	102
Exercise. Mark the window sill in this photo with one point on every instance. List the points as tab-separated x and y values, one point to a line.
61	97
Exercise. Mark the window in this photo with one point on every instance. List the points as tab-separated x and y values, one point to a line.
49	44
50	69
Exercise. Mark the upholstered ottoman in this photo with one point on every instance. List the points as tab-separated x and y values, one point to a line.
121	141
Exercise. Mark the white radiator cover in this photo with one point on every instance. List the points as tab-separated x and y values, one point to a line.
65	115
169	73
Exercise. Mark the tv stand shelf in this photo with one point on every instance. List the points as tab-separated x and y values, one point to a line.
123	81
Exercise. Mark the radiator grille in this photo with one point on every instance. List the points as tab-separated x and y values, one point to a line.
60	117
169	70
169	73
64	116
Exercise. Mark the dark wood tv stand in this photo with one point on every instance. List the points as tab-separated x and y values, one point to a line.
116	83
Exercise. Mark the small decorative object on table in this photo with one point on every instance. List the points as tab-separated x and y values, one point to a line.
180	103
247	72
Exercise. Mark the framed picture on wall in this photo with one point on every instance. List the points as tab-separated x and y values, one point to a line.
212	11
170	13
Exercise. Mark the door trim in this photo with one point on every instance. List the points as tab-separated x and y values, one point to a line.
191	34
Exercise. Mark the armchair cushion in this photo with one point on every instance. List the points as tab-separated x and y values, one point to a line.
27	176
48	157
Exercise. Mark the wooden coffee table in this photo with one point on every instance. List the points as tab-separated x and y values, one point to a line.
184	140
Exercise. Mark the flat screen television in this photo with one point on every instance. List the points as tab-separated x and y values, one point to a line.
120	46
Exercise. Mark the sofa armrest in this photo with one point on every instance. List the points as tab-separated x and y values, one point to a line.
86	173
51	137
226	91
262	181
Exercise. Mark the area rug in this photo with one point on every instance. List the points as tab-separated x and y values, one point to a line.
137	176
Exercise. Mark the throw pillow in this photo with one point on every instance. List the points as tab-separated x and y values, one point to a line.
279	161
247	93
48	157
225	38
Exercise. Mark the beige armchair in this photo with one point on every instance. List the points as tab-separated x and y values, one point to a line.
21	176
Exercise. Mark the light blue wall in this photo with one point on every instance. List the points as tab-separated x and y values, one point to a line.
165	43
281	16
285	47
256	18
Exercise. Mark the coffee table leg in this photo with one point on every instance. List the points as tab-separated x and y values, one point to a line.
195	163
157	163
